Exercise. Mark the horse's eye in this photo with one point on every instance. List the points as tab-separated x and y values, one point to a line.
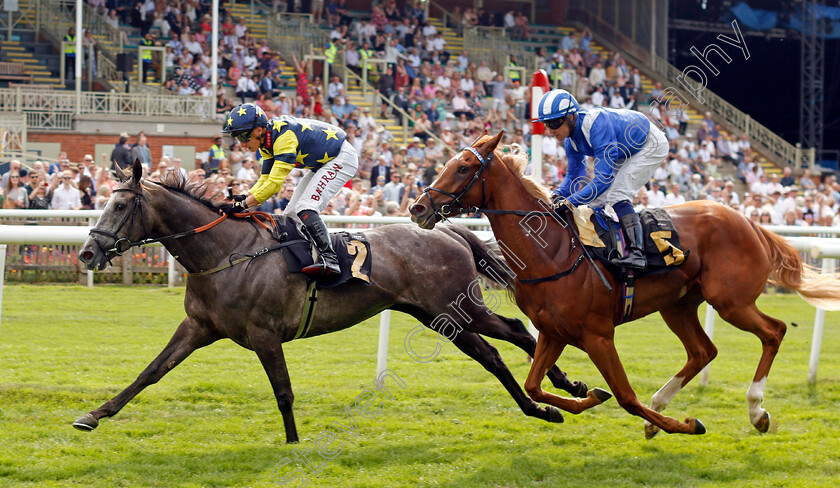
463	169
120	206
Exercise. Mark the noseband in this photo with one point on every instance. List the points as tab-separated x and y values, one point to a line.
122	244
456	199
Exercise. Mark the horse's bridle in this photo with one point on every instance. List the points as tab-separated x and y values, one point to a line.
123	244
456	199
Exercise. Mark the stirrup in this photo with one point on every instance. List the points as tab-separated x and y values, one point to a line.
322	267
634	259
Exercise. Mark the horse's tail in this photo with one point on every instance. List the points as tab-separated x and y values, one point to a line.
489	263
821	290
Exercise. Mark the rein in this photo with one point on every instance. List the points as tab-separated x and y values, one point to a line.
456	199
123	244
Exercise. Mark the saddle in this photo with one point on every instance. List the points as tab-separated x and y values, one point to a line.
605	241
352	249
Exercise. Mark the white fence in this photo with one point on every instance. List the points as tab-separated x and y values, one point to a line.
819	247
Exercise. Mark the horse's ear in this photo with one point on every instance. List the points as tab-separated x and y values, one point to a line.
120	173
488	147
137	170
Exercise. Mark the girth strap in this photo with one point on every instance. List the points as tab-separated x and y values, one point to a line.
308	310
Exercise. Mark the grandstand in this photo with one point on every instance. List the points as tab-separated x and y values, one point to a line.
43	117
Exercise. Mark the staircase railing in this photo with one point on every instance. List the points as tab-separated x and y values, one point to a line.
406	118
763	139
489	44
294	33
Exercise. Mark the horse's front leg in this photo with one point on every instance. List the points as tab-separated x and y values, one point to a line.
547	352
513	330
269	349
189	336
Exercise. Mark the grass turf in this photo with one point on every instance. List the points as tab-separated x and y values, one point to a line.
213	421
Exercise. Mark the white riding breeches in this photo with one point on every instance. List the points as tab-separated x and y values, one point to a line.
636	170
317	187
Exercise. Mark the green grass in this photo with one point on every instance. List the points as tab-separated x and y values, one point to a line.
213	421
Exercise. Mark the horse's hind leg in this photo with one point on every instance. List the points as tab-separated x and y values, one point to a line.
269	349
480	350
546	354
187	338
683	321
771	332
513	330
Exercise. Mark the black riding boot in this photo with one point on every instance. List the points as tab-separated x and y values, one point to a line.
635	257
328	264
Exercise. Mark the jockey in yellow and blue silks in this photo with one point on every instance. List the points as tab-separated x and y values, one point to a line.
626	149
287	142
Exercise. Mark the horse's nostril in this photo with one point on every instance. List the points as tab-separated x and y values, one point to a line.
87	256
417	209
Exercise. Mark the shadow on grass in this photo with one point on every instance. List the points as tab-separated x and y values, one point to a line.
246	466
600	468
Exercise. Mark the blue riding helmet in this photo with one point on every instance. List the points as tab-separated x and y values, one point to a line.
556	104
243	119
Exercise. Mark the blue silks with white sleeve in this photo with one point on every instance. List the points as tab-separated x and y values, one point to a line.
610	136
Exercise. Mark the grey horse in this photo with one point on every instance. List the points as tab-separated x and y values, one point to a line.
258	304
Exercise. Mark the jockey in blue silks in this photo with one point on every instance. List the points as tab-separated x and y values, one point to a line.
626	149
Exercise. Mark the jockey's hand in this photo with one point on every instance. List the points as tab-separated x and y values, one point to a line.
232	208
235	198
559	200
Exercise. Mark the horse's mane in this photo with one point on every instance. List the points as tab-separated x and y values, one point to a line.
516	160
203	191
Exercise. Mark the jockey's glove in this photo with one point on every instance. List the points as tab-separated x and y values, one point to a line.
235	207
558	200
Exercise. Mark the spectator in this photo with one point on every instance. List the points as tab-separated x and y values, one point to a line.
247	86
216	155
806	182
15	193
380	171
121	154
65	196
39	199
14	167
86	193
140	150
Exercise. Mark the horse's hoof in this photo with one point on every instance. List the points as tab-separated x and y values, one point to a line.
763	424
699	428
86	422
554	415
580	389
601	394
651	431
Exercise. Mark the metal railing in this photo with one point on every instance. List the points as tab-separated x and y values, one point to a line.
765	141
490	44
290	33
48	109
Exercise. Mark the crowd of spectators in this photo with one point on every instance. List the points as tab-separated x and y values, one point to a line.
454	98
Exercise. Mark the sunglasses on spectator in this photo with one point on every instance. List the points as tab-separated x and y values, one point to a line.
14	176
224	173
66	178
555	124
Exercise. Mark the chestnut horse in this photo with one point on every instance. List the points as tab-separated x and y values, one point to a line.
730	261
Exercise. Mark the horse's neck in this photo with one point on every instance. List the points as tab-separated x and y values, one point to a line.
178	213
535	242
